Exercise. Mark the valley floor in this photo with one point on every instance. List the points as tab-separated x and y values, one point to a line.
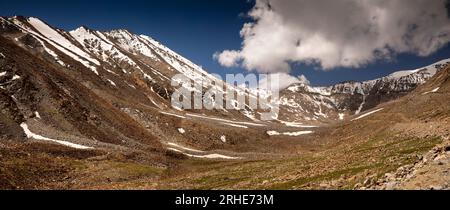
391	158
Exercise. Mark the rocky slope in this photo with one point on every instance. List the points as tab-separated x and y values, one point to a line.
104	89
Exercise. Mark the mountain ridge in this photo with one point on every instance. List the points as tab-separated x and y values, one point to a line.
122	53
352	98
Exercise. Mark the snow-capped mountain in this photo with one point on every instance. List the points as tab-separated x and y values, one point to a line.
116	57
300	102
106	89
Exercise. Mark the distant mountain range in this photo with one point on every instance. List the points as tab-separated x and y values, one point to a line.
301	102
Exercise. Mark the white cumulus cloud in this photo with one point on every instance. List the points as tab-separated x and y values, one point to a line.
280	81
344	33
228	58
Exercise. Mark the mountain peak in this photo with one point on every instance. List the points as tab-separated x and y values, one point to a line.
82	29
20	17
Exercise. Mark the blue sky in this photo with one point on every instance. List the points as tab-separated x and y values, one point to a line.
194	28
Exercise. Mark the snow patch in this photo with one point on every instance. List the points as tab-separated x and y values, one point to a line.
184	148
98	44
296	125
37	114
130	85
181	130
400	74
132	43
111	72
325	91
58	41
146	76
112	83
39	137
223	138
209	156
432	91
2	73
249	114
298	133
341	116
361	105
224	120
50	52
56	37
171	114
367	114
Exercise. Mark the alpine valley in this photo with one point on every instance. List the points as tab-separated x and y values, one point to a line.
88	109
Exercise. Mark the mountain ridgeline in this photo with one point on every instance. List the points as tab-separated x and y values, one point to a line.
301	102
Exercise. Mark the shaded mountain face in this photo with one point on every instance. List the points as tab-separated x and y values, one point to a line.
106	90
303	103
118	58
